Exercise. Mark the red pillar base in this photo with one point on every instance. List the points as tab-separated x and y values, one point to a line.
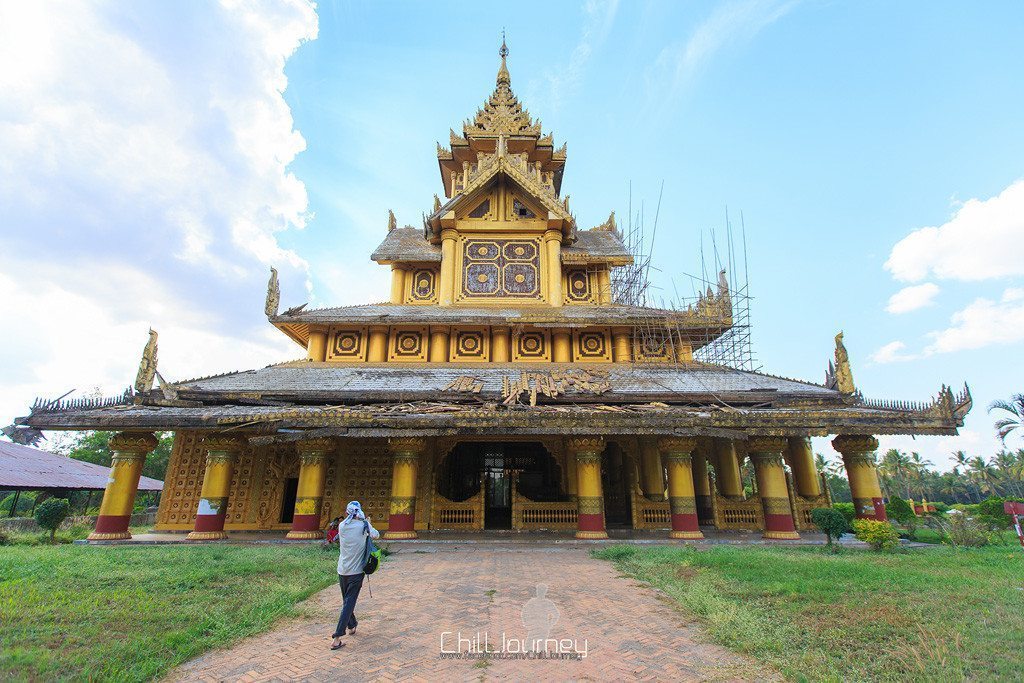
779	528
305	527
870	508
685	526
111	528
208	528
590	526
400	527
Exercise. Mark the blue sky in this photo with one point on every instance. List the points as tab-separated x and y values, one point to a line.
156	170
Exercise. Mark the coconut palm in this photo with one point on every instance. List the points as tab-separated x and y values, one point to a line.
1007	468
1013	418
962	467
983	475
894	471
918	471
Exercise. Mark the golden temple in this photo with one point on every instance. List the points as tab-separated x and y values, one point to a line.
504	385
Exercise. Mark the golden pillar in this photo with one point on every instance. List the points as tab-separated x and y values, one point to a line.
316	348
561	342
500	345
309	497
766	454
800	457
701	482
129	455
604	286
859	458
622	351
652	474
221	454
446	283
439	344
589	495
553	246
402	518
397	284
377	348
678	460
727	469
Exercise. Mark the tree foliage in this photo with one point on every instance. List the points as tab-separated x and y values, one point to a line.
51	513
831	522
879	535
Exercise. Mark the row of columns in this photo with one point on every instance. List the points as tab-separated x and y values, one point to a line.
222	452
685	460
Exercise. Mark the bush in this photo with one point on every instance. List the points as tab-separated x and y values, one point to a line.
831	522
962	530
878	535
5	538
940	507
990	514
51	513
901	511
847	509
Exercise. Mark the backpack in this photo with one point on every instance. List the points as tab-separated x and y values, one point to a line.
371	554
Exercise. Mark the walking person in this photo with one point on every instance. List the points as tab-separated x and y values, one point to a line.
352	534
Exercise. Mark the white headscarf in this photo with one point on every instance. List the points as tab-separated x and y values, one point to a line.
354	511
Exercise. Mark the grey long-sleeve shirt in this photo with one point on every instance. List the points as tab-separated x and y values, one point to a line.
351	545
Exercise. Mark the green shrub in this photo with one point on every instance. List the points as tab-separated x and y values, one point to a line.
51	513
901	511
831	522
962	530
878	535
847	509
940	507
6	538
989	513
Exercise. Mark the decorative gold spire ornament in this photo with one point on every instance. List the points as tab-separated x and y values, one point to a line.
843	374
147	366
392	221
273	295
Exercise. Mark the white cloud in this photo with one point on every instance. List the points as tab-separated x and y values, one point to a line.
599	15
144	153
730	23
891	353
912	298
982	323
980	242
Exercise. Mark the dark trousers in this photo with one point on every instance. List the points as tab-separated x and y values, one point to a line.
350	587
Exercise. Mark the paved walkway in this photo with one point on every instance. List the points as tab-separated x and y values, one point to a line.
428	592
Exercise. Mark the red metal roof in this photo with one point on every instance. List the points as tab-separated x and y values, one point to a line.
23	467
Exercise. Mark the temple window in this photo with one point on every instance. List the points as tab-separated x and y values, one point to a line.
520	210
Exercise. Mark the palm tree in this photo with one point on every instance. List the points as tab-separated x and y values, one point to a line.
894	469
918	469
951	484
1006	466
983	475
1014	419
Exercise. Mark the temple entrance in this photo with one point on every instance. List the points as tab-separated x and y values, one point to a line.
499	470
615	482
291	490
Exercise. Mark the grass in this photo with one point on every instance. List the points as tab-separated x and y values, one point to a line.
131	613
932	614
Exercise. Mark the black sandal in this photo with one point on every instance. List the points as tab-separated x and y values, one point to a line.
340	645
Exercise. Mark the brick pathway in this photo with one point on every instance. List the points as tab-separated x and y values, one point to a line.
631	632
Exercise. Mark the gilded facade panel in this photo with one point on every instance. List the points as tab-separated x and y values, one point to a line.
408	344
592	345
531	345
422	286
470	345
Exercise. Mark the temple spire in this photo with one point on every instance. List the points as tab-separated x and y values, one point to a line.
503	75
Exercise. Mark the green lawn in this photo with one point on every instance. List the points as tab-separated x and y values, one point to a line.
131	613
928	614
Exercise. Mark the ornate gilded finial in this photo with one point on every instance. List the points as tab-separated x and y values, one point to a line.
843	374
273	295
437	203
723	283
392	221
147	366
503	75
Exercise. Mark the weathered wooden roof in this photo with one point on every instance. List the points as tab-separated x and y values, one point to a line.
406	245
538	315
27	468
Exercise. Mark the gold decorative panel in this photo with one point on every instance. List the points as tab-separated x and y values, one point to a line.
500	269
577	287
182	482
347	344
652	348
593	345
470	344
531	345
408	344
422	287
364	474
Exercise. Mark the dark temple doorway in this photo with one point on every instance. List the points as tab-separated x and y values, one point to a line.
615	483
291	490
495	467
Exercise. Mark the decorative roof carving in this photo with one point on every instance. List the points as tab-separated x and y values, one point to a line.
273	295
502	114
392	221
842	376
147	365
